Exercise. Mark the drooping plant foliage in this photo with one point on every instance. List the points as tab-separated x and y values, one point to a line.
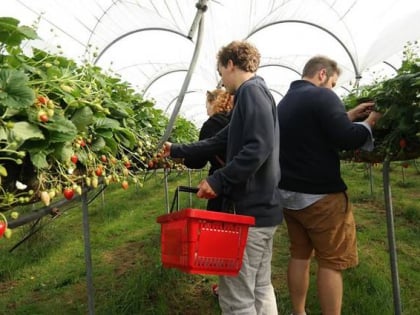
64	125
397	133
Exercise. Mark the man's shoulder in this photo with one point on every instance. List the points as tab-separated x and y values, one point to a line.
303	87
255	81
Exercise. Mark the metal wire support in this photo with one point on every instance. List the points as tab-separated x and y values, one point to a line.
190	184
391	238
198	20
166	188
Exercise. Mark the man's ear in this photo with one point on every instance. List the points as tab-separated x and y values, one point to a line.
230	64
322	74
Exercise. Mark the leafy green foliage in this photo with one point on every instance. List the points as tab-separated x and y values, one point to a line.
397	133
61	121
11	34
184	131
14	92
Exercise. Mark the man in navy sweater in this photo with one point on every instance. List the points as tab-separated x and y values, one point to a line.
314	126
249	179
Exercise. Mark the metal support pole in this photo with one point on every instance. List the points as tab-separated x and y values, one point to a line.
371	179
391	238
166	188
189	185
198	22
88	257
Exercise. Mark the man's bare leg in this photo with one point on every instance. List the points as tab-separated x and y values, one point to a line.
330	290
298	283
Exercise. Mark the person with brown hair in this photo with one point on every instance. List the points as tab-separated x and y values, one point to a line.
249	178
314	126
219	103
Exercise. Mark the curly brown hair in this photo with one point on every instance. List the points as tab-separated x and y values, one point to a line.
220	100
243	54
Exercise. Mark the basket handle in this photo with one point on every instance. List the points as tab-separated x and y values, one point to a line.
176	199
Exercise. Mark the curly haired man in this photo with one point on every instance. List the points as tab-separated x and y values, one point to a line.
249	178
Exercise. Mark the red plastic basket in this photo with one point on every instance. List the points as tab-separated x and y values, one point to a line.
204	242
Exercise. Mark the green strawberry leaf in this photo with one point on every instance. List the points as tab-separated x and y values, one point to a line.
14	92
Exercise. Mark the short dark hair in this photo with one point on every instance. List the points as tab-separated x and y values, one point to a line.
243	54
320	62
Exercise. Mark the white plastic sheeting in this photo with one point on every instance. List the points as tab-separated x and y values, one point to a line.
146	41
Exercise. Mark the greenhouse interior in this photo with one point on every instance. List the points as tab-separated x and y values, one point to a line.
91	90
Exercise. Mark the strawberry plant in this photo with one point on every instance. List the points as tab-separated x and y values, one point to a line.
397	133
67	125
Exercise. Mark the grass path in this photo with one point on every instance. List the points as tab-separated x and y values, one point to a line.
46	274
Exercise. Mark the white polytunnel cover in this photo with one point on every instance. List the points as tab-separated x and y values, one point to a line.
148	42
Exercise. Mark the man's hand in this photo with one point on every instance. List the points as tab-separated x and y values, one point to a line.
166	149
373	118
205	191
361	111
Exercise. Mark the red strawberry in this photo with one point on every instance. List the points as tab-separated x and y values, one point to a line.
42	99
403	143
74	158
68	193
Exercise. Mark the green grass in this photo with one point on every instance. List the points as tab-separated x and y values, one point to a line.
47	273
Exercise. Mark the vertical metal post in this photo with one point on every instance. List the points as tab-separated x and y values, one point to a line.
371	179
88	257
403	173
166	188
391	238
189	185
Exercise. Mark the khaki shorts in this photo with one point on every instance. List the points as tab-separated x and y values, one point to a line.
325	228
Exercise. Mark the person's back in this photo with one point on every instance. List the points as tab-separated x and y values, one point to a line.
314	126
255	194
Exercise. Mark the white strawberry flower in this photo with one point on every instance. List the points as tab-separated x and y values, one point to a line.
20	185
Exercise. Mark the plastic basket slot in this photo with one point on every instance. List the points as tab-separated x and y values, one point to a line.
220	227
217	263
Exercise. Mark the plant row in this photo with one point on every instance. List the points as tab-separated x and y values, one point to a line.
397	133
65	125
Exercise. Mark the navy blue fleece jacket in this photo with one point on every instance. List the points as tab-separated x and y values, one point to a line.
252	172
314	127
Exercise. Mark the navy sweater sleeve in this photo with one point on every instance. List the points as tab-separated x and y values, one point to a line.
333	119
200	161
210	127
203	148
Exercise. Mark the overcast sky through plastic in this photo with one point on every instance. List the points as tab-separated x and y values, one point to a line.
363	36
